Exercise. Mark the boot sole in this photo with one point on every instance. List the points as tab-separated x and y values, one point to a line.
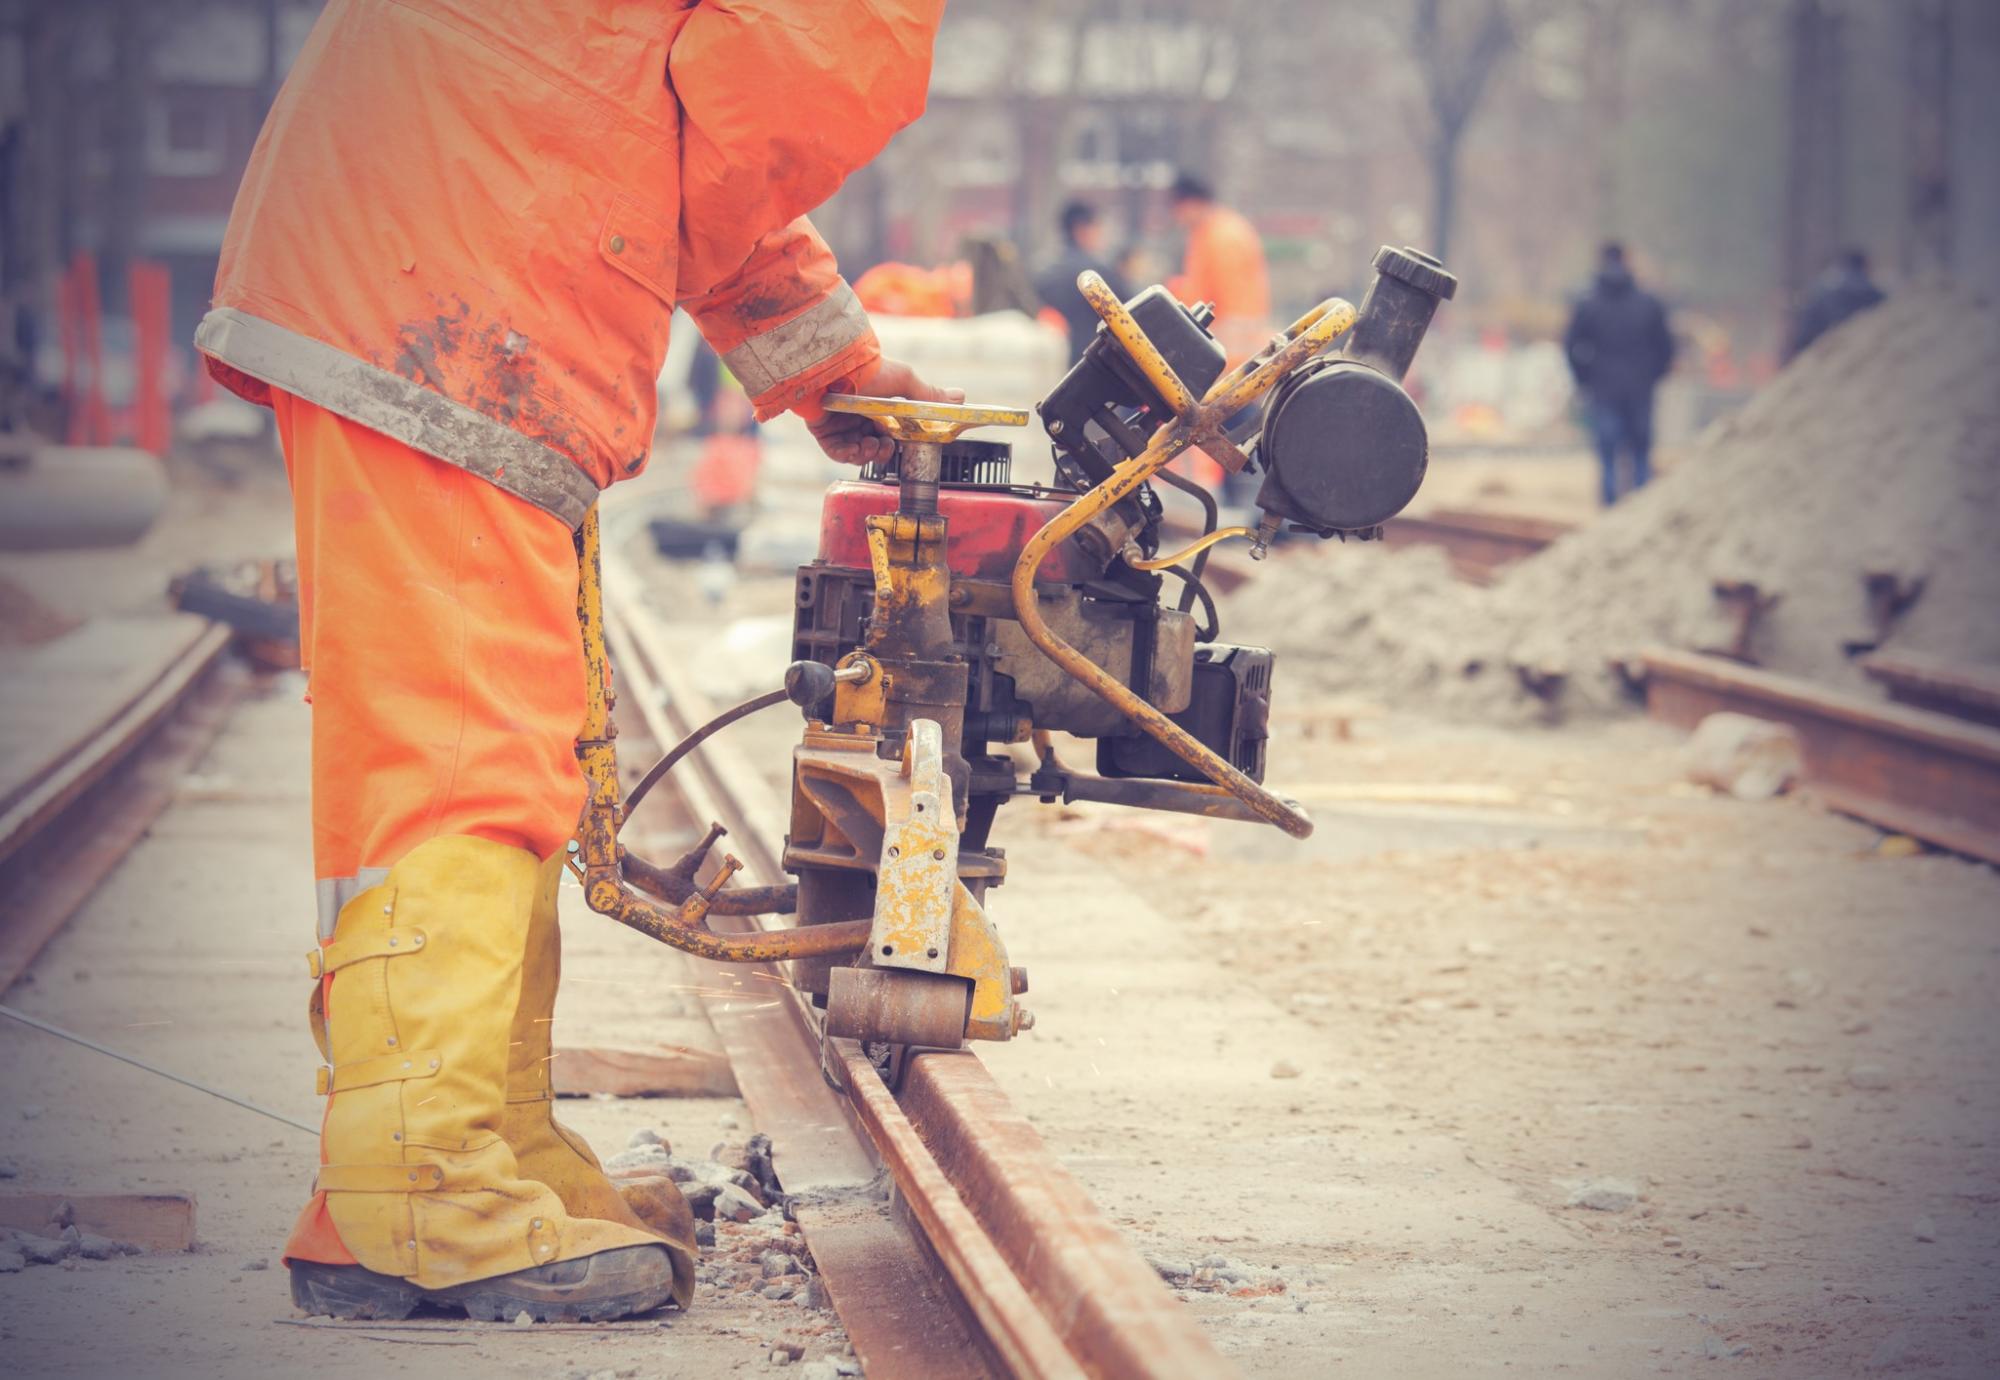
599	1288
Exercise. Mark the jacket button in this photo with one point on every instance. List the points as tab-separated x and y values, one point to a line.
617	244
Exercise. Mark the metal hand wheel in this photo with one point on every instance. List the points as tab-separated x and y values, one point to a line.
936	422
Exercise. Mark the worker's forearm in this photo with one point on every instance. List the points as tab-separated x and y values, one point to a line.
786	324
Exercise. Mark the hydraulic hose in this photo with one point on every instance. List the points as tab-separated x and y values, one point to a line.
695	739
1199	547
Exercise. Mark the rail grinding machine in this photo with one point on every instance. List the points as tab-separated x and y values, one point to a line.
952	612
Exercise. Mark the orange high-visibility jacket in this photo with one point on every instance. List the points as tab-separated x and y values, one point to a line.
466	224
1225	266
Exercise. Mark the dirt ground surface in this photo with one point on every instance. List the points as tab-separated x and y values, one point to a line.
1507	969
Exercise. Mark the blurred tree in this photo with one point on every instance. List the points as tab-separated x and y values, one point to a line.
1607	31
1456	47
1927	238
1815	201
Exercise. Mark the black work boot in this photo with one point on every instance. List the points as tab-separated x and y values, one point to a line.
592	1288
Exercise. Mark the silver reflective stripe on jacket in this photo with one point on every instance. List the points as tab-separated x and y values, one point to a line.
333	893
399	409
811	338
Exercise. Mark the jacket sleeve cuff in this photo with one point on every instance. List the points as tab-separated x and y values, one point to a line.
788	367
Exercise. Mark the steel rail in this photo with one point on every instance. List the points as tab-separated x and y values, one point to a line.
110	742
71	824
1964	691
1911	771
1043	1278
1479	545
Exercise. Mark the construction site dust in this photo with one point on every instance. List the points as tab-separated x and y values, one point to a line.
876	691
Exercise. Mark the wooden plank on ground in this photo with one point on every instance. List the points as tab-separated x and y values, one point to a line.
150	1221
671	1071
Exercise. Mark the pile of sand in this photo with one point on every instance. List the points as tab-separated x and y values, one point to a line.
1878	450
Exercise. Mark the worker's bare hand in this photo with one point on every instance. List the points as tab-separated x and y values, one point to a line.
856	440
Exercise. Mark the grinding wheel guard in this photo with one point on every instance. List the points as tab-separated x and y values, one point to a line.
1194	424
932	951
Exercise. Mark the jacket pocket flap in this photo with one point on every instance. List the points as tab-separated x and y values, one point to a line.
640	242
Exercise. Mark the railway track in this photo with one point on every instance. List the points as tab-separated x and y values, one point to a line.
987	1258
1479	545
993	1260
1912	771
87	776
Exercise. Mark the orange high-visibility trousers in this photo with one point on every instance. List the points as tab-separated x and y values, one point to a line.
444	667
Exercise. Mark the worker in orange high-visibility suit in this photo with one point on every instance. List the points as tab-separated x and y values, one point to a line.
1225	268
450	271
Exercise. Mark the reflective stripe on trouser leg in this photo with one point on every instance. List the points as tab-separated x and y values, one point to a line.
333	893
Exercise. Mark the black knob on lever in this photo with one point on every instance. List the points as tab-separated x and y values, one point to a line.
808	683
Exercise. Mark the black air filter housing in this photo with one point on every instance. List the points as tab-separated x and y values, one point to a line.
1343	447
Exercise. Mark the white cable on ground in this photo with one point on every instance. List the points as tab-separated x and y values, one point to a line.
25	1019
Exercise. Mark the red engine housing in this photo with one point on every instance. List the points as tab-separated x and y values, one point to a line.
986	529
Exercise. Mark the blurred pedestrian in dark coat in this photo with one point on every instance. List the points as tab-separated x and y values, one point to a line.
1842	291
1083	247
1619	349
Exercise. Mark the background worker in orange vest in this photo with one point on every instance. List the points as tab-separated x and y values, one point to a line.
450	271
1224	266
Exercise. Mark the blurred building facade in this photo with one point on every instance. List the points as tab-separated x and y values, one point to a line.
125	126
1732	143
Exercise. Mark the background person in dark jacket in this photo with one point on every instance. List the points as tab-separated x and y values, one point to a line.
1619	349
1083	247
1842	291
